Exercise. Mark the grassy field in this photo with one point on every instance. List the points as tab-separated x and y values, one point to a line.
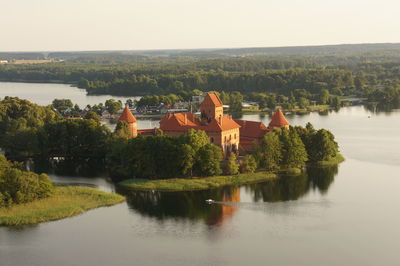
181	184
67	201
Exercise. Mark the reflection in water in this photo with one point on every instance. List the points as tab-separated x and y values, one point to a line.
293	187
191	204
184	205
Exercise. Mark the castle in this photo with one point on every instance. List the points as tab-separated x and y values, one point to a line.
230	134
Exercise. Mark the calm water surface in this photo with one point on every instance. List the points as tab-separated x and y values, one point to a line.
345	215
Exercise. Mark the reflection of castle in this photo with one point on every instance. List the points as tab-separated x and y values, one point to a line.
228	133
227	209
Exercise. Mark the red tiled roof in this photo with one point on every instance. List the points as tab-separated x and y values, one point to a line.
278	119
178	122
212	99
185	121
216	125
127	116
251	129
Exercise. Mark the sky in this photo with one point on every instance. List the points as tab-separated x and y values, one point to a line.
77	25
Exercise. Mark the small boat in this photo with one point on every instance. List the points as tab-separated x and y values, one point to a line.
209	201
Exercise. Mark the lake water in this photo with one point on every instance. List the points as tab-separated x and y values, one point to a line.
345	215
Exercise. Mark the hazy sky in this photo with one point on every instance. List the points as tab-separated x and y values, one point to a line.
28	25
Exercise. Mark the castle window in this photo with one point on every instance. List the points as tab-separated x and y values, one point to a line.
225	139
235	136
212	140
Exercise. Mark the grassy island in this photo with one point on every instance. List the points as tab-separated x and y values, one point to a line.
182	184
67	201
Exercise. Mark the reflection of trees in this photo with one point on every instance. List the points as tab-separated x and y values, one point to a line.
88	168
293	187
380	107
183	205
322	177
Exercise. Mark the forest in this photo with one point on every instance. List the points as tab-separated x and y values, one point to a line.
367	71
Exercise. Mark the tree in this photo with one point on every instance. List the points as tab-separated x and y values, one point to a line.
232	167
269	152
208	160
294	152
235	102
323	146
17	186
250	164
196	139
113	106
62	105
324	96
92	115
303	102
122	130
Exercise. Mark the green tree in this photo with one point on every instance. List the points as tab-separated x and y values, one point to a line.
62	105
122	130
232	167
113	106
269	152
250	164
324	96
294	152
208	161
323	146
235	102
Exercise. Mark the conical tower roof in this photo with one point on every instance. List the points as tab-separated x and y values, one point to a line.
127	116
278	119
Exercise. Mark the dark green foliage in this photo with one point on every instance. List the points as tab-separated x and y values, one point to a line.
164	156
20	122
294	153
74	139
208	160
323	146
18	186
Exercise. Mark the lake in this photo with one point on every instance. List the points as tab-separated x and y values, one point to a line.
344	215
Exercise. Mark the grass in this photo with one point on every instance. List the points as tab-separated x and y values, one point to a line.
338	159
181	184
67	201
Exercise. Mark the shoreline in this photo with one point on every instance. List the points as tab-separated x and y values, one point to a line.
198	183
67	201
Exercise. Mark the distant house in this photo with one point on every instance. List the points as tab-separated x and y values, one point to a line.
3	62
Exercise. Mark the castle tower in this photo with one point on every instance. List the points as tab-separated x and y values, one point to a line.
130	119
278	120
211	107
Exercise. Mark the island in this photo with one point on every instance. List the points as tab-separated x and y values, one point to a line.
29	198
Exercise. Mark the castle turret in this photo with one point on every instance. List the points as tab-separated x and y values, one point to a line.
130	119
278	120
211	107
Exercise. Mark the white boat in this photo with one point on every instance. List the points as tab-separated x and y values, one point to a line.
209	201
